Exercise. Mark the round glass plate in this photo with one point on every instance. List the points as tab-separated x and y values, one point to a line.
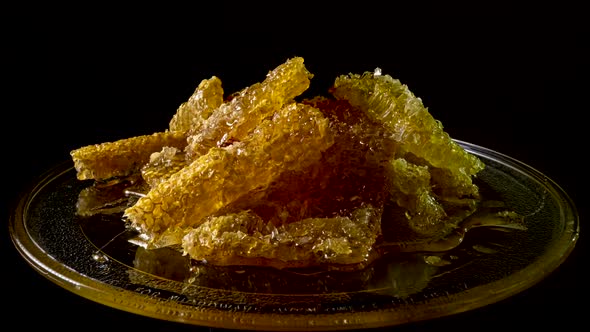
94	258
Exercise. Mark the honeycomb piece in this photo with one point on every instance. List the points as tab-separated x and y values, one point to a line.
206	98
292	139
123	157
245	239
391	103
190	116
235	119
410	189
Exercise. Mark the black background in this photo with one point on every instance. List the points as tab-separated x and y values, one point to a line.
513	80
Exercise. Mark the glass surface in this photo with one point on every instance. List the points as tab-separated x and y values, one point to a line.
95	257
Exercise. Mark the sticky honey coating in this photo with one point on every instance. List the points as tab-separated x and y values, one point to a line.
162	165
387	101
292	139
244	238
235	119
123	157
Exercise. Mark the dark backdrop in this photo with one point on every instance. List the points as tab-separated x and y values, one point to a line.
508	79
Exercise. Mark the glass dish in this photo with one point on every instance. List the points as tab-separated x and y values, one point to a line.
94	258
